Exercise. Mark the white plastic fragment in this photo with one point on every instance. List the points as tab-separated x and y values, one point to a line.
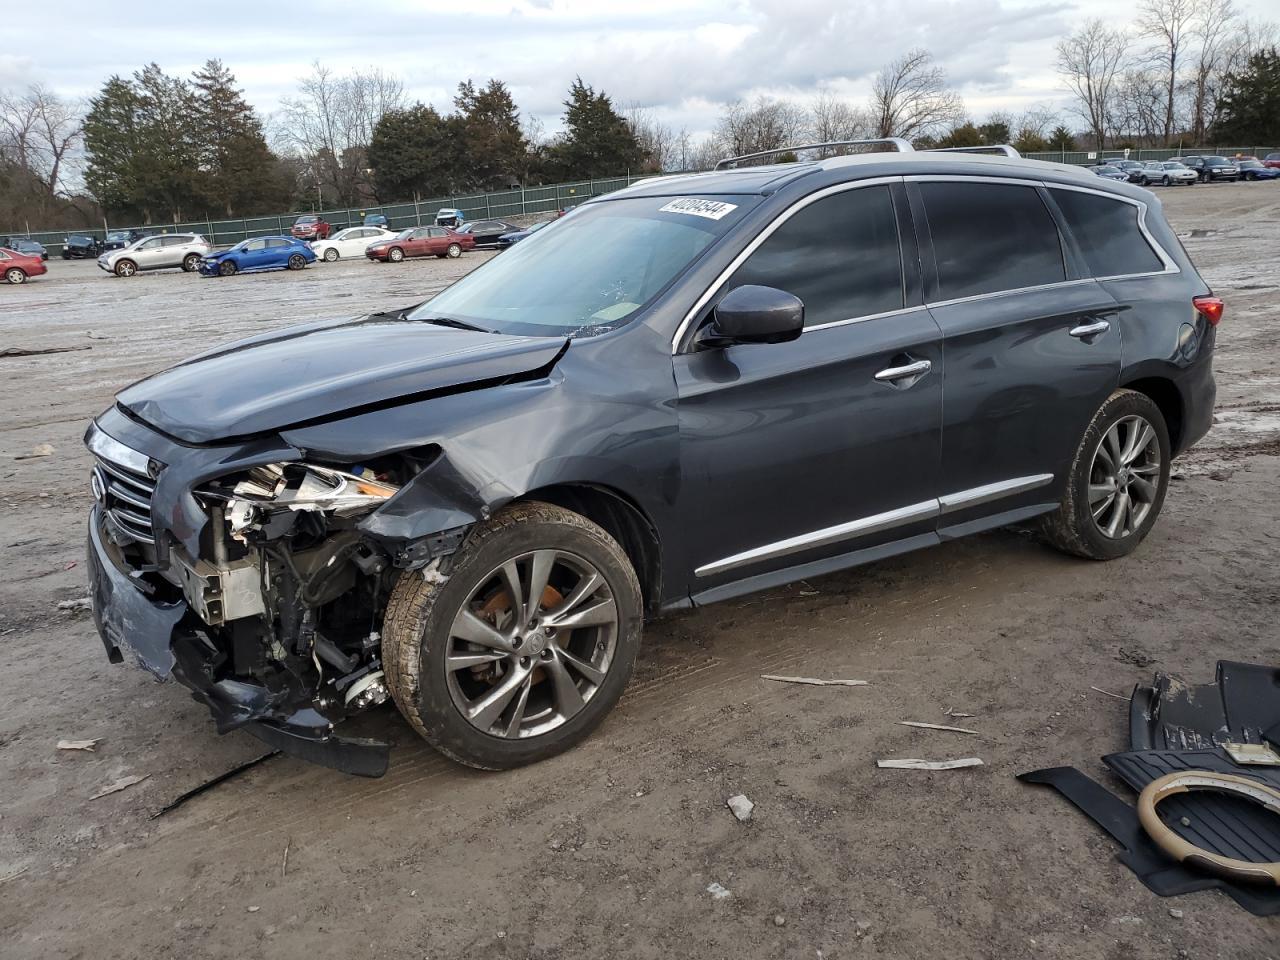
936	726
911	764
87	745
80	603
741	807
718	892
431	573
816	682
118	785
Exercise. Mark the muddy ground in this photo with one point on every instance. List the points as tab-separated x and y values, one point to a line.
609	850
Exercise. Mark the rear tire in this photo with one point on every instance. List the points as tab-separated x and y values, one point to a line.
555	688
297	261
15	275
454	251
190	262
1117	483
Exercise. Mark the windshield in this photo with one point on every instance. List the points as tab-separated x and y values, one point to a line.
118	235
306	220
1174	166
1251	164
592	270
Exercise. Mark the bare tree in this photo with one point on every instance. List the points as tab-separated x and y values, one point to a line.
1166	23
764	124
656	138
1090	61
1139	111
1214	36
833	119
910	98
39	133
330	123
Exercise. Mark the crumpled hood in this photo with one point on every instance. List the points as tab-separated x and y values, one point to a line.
321	370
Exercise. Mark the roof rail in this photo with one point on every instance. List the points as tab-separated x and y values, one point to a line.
1003	148
898	144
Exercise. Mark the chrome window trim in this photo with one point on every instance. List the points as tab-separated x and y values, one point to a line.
1006	293
878	522
764	235
1170	265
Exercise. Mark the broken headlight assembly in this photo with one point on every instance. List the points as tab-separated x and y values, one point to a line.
268	497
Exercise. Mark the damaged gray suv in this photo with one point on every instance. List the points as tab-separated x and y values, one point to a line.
682	392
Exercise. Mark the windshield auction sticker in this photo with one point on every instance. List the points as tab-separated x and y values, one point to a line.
711	209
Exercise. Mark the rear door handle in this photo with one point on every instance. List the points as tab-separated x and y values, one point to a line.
908	371
1087	331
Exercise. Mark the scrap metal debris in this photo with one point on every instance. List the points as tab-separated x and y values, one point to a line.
717	891
1109	693
284	862
816	682
76	605
911	764
935	726
208	784
122	784
1252	754
39	450
24	352
86	745
741	807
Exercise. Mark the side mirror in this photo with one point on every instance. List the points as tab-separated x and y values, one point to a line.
752	314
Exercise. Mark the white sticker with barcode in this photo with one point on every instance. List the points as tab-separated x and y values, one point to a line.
711	209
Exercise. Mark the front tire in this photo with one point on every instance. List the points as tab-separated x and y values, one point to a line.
1117	483
227	268
1164	181
15	275
126	268
520	651
395	254
330	254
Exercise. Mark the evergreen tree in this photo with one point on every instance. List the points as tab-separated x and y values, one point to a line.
416	153
113	141
995	131
237	171
597	142
489	125
1250	103
962	135
1061	139
169	158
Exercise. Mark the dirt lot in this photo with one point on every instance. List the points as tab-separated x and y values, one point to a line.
609	851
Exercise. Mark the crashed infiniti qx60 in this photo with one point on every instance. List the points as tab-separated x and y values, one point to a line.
685	391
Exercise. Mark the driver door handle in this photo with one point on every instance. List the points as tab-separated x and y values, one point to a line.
893	374
1087	331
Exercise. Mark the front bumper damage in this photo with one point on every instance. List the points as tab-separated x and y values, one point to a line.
167	640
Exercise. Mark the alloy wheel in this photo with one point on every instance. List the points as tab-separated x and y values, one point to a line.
532	644
14	275
330	255
1125	476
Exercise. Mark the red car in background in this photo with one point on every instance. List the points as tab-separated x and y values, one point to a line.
18	267
421	242
311	227
1272	160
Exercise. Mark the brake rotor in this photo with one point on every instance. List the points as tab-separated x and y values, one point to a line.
500	603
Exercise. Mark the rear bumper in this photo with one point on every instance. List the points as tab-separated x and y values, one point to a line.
165	640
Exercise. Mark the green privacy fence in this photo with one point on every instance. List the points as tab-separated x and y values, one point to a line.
517	202
525	201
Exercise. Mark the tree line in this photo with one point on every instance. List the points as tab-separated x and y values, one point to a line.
1184	72
154	147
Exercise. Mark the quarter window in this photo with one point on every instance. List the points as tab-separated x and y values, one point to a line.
989	237
1107	233
839	255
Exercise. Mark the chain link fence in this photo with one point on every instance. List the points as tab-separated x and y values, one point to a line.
521	202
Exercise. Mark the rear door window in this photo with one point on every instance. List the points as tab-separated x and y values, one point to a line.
990	237
839	255
1107	233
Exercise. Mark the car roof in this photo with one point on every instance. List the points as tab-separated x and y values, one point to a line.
765	180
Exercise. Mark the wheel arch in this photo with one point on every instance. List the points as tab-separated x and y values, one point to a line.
623	519
1164	393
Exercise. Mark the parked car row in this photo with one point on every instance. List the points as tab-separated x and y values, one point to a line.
1190	170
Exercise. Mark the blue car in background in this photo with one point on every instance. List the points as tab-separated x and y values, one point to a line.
258	253
510	239
1252	169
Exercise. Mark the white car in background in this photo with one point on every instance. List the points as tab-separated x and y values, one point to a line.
350	242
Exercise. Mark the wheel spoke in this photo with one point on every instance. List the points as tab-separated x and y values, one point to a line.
486	710
511	577
1143	488
517	712
597	613
1140	435
468	626
461	661
539	574
1112	443
1100	491
1099	510
568	700
582	666
1118	515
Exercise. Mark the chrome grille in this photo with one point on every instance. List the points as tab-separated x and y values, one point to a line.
121	487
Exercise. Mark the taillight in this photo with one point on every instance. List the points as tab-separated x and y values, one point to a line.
1210	308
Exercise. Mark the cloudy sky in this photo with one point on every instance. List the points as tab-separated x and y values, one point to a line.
682	58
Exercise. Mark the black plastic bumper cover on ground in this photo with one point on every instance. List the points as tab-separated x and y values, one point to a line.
127	619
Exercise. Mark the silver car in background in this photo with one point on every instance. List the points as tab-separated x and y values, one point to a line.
184	250
1168	173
